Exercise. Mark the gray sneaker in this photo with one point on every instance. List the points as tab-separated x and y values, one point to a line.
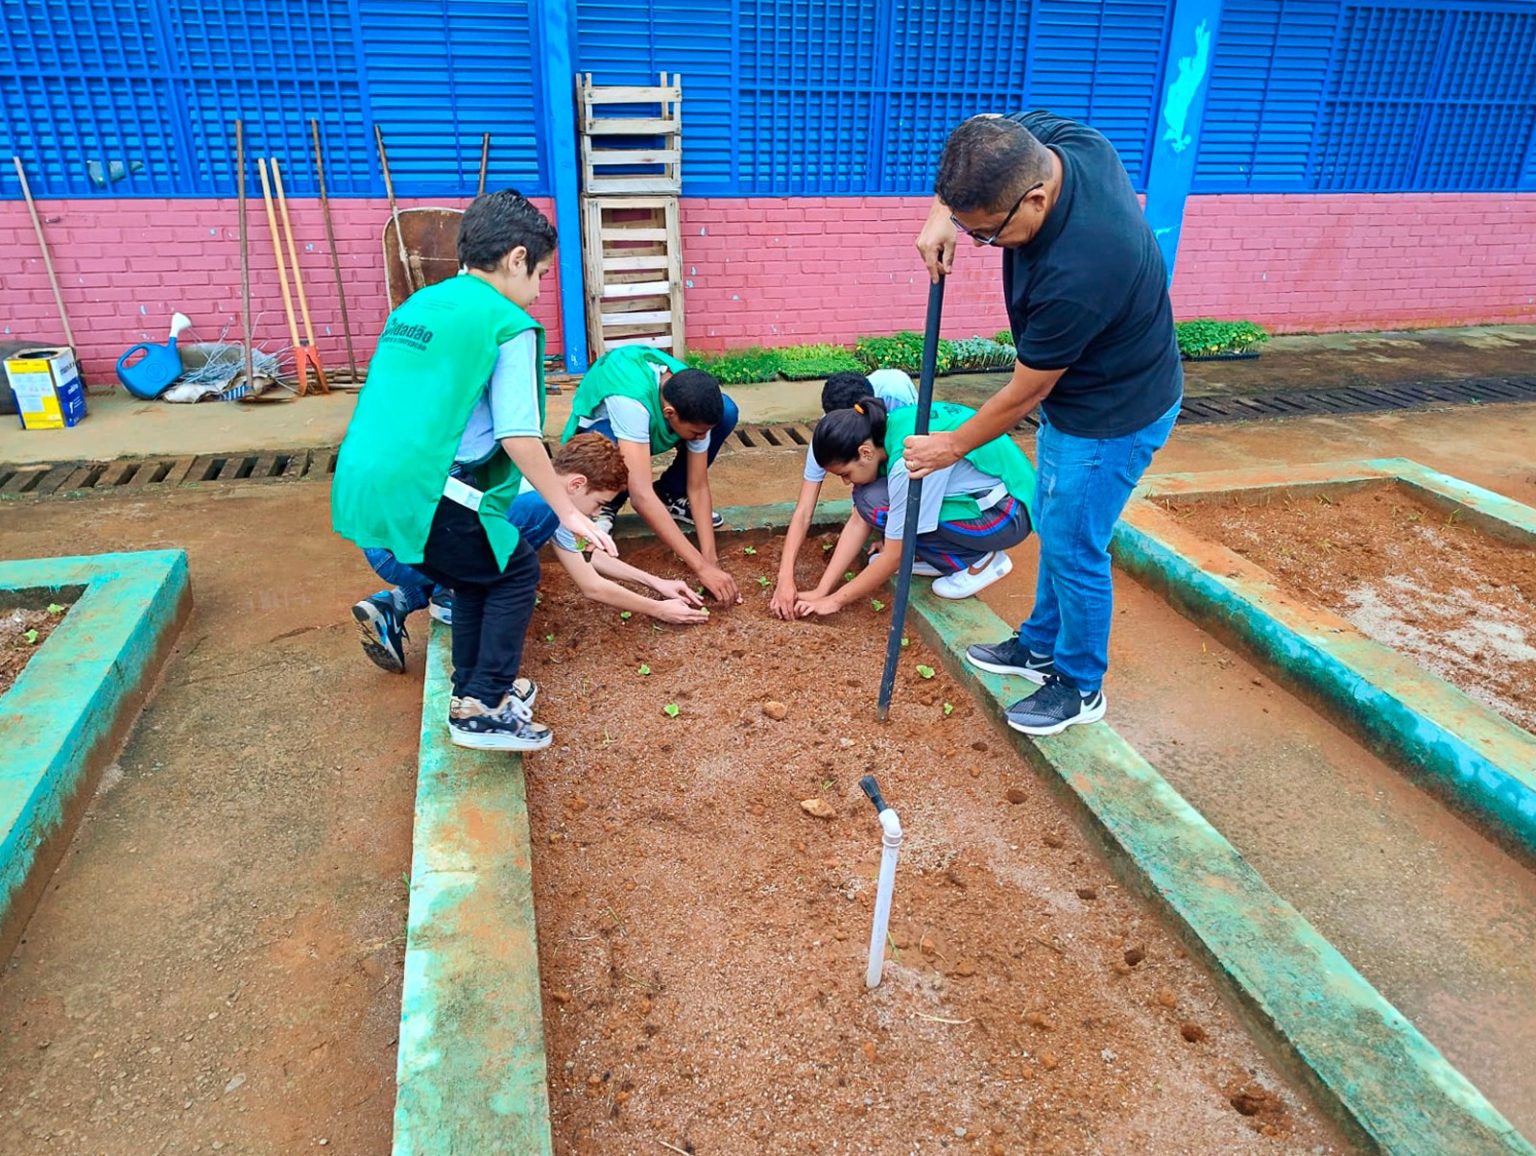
1054	707
1010	657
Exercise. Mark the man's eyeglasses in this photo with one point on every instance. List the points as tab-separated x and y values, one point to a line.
991	238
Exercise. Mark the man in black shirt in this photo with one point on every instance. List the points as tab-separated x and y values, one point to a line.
1087	297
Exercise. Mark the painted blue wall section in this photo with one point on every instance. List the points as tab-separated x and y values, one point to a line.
1176	136
553	35
72	694
781	97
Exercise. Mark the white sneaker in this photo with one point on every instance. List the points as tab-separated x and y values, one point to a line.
975	578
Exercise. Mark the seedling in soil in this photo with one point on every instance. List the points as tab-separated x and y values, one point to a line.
55	609
31	637
549	637
763	582
670	710
904	641
876	605
644	670
848	577
949	709
925	671
626	615
749	551
826	547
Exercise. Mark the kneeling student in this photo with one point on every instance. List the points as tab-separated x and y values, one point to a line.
971	511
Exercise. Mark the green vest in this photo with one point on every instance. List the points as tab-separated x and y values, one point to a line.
1001	457
433	360
626	372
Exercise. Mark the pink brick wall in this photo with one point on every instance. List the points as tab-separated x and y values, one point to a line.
125	266
784	270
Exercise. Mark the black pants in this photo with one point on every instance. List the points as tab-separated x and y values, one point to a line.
491	606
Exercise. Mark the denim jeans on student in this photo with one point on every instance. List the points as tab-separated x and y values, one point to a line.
673	481
1083	485
536	524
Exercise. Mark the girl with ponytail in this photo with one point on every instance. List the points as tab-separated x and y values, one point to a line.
971	511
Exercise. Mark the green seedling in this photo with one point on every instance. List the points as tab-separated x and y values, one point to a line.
949	709
626	615
876	605
848	577
31	637
55	608
925	671
904	641
670	710
644	669
749	551
763	582
549	637
826	547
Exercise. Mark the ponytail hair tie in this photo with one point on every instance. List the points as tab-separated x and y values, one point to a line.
858	408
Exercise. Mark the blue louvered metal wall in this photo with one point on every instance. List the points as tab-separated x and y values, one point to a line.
782	97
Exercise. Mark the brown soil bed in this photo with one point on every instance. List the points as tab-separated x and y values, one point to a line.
1418	579
702	938
21	633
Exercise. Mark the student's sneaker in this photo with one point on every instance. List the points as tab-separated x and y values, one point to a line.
381	630
921	569
441	606
507	727
525	690
1010	656
605	517
974	578
682	512
1054	707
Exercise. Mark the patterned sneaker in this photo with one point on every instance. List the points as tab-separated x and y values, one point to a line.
526	691
1054	707
441	606
974	578
1009	657
381	630
682	512
508	727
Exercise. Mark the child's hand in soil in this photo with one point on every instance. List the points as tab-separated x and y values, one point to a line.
782	604
679	612
812	605
670	588
720	584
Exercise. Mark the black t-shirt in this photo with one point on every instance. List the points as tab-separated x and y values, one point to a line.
1089	294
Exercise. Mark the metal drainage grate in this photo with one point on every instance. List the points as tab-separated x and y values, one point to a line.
40	480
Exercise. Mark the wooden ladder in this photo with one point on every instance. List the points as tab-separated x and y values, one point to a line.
631	161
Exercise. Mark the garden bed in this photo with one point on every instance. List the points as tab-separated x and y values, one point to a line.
1417	578
22	631
702	938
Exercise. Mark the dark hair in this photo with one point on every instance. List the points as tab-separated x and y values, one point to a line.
496	223
843	389
595	458
987	163
840	433
695	395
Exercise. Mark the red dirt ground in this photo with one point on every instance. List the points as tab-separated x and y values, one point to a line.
702	938
15	647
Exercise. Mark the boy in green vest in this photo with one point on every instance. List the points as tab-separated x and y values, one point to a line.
971	512
650	403
446	428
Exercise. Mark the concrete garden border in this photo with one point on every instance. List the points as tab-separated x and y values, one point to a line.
75	700
472	1074
1480	762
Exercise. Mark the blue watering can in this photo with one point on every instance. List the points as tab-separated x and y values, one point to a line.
152	374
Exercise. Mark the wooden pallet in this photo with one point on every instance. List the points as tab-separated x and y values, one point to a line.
631	137
632	251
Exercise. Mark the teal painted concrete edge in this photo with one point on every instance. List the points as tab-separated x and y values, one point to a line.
1481	762
1516	518
1364	1056
71	697
471	1074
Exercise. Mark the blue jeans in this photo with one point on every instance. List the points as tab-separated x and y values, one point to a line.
536	523
1084	484
673	482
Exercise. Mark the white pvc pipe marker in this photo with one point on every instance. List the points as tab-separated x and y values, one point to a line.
890	850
